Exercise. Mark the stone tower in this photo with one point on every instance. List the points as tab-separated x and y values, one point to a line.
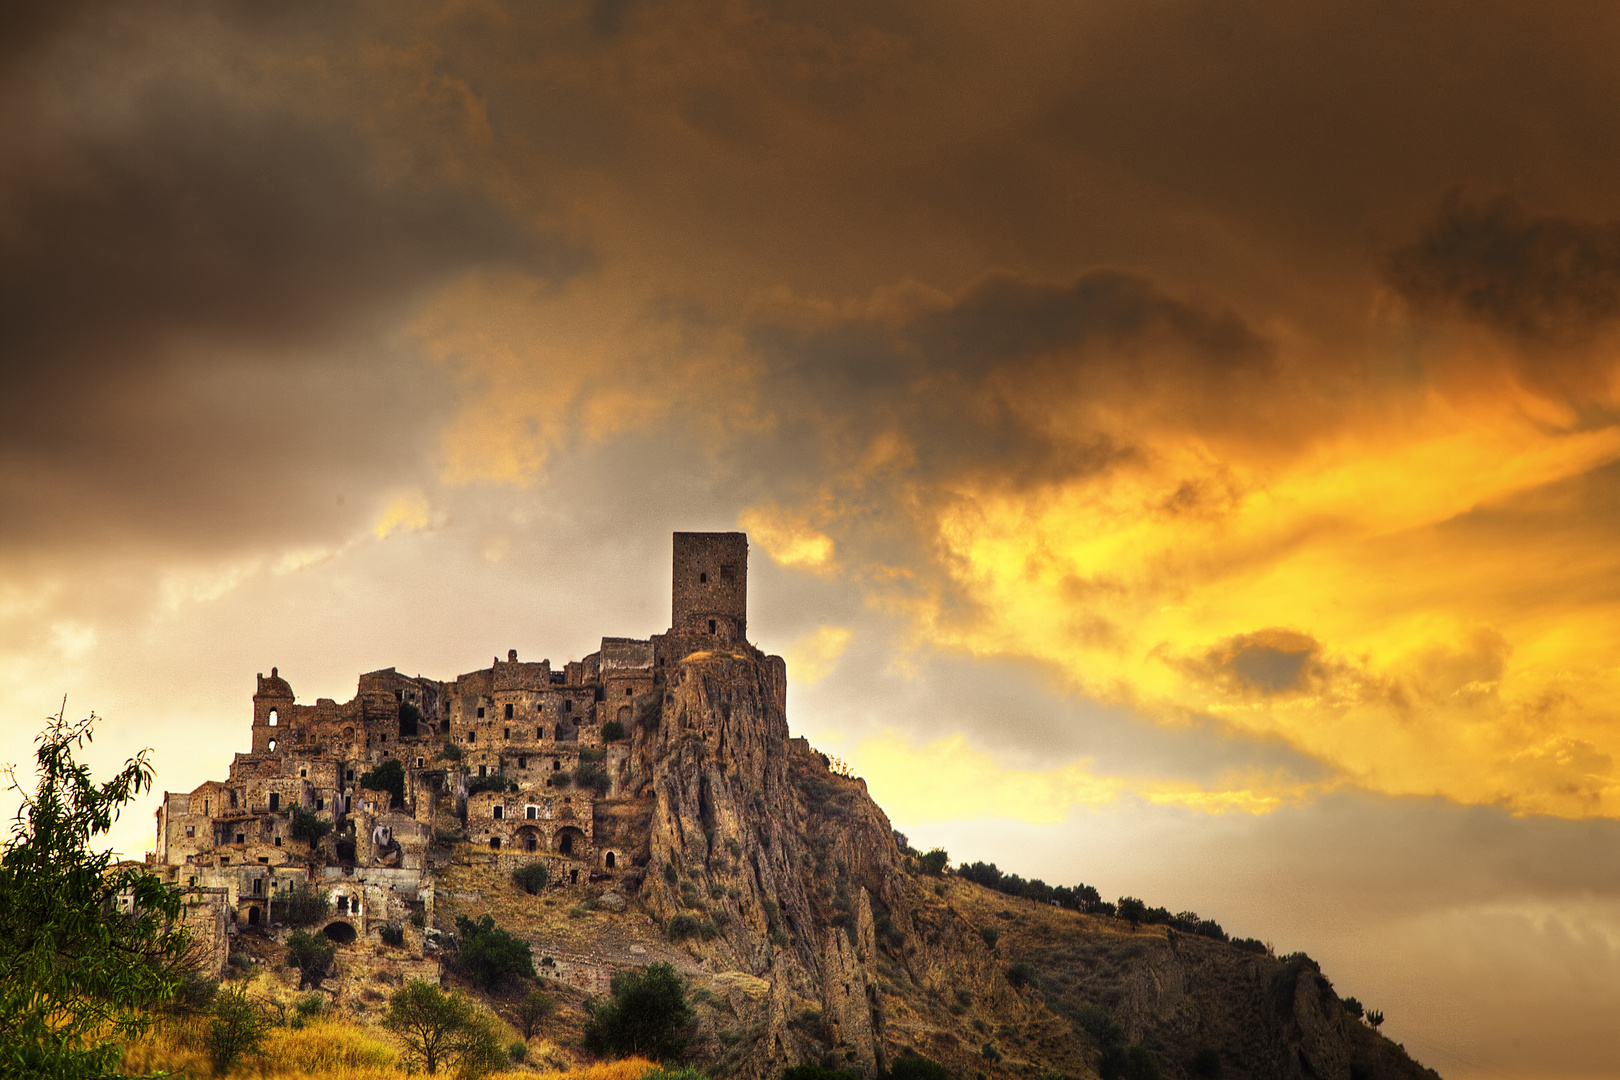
709	587
272	709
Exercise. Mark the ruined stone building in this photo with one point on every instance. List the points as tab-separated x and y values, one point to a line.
535	762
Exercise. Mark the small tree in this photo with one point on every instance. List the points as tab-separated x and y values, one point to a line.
1132	911
934	862
444	1029
648	1015
312	955
531	878
533	1011
306	825
612	731
489	954
1375	1017
238	1028
86	949
389	777
305	905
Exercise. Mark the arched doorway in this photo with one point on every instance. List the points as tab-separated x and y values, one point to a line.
253	915
571	842
608	862
529	839
340	932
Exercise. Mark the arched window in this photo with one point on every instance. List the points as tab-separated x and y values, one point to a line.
273	718
609	860
703	579
272	746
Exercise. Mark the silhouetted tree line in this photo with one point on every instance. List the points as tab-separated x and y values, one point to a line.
1087	899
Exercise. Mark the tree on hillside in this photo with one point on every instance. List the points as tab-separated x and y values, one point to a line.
444	1029
489	954
306	825
86	947
648	1015
1132	911
312	955
533	1010
934	862
389	777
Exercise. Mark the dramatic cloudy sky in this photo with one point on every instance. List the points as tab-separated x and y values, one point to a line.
1180	441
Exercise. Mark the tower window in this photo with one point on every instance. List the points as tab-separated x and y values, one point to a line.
472	736
523	763
539	732
506	733
711	626
630	690
273	718
703	579
275	801
480	712
509	712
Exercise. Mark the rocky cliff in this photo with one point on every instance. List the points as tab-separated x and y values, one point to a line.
784	883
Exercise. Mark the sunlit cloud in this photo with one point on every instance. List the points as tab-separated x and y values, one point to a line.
814	656
787	540
409	511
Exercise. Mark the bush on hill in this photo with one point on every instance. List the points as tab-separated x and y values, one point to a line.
307	826
648	1015
532	878
389	777
312	955
934	862
488	954
304	905
913	1066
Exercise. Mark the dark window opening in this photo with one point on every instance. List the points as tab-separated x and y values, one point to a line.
494	843
629	691
531	812
343	905
567	845
568	706
265	859
418	763
509	712
523	763
480	712
472	736
241	838
349	775
303	774
253	916
555	765
500	812
711	626
573	877
539	733
275	801
278	841
483	770
703	579
506	733
258	886
610	860
531	842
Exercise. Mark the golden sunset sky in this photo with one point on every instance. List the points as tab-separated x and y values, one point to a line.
1180	442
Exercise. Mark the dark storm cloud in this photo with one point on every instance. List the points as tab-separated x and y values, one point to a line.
197	302
978	383
1537	276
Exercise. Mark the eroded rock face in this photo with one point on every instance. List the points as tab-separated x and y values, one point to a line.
784	880
781	864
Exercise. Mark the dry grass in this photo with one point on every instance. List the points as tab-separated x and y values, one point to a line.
332	1050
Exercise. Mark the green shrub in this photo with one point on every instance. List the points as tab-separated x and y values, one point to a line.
495	781
533	1011
195	993
815	1072
532	878
309	1008
669	873
561	778
518	1052
612	731
304	905
392	934
1023	974
1132	911
312	955
680	927
451	752
238	1029
990	1053
593	776
578	911
990	934
648	1015
913	1066
1249	944
389	777
307	826
934	862
489	954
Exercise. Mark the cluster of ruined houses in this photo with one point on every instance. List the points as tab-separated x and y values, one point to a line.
231	845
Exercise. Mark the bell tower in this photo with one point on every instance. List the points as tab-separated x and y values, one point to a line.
272	713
